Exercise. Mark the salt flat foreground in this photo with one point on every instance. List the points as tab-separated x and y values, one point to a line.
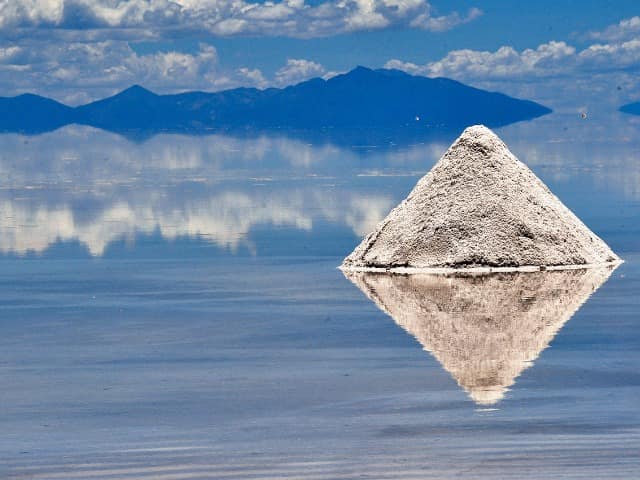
173	311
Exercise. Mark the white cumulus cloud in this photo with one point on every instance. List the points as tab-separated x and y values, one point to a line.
554	72
505	62
148	18
78	50
85	71
444	22
623	30
298	70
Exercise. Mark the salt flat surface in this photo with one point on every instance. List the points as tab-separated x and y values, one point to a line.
281	368
168	313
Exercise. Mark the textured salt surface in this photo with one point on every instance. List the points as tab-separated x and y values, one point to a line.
484	329
479	207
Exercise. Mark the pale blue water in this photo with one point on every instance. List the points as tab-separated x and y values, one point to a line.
170	309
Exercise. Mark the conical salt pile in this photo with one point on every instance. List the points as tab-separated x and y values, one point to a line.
484	329
479	207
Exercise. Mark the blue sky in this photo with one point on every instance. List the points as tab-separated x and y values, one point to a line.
570	55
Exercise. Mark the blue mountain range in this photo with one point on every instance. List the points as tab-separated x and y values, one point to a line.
360	99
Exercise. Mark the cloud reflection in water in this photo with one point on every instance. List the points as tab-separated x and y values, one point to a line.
87	186
84	185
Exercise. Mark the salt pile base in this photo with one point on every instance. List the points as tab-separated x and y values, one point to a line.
479	208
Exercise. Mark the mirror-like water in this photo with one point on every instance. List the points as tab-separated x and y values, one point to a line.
483	329
171	309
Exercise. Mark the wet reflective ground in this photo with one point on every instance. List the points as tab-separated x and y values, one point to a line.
170	309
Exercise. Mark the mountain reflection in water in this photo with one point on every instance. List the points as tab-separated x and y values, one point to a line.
486	329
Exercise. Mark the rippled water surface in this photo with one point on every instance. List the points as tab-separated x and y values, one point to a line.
171	309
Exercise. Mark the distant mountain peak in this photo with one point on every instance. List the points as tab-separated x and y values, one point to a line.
360	71
359	74
136	90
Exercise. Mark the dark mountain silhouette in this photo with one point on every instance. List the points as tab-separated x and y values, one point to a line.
632	108
129	109
30	113
360	99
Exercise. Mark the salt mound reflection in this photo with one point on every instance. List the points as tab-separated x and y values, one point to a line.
486	329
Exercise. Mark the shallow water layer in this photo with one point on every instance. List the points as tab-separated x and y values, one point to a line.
171	309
